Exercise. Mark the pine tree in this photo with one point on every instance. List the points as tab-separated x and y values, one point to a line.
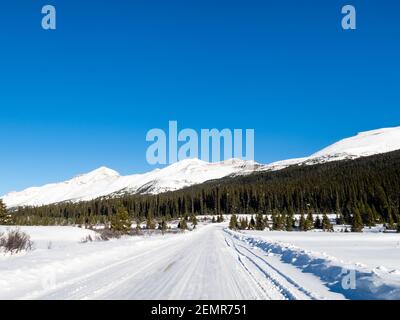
182	224
163	226
259	222
282	221
375	214
390	221
233	223
326	224
138	226
318	223
309	221
289	222
357	224
243	223
194	221
369	216
302	223
5	218
274	222
252	223
150	224
121	222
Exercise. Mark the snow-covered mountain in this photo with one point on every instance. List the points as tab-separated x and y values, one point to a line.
364	144
104	181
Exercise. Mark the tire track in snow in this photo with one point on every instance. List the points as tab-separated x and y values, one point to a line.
291	281
293	292
267	276
271	291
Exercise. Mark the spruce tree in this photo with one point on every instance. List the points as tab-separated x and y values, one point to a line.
357	224
233	223
375	214
326	224
163	225
150	224
309	221
243	224
302	223
274	222
182	224
121	222
194	221
282	221
259	222
5	218
252	223
289	222
279	222
390	221
369	216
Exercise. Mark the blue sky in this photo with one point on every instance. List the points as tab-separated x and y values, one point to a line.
85	95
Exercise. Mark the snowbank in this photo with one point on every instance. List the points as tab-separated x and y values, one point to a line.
346	251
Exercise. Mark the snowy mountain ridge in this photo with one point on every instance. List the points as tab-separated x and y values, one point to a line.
105	182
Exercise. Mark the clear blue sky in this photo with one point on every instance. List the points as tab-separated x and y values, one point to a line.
85	95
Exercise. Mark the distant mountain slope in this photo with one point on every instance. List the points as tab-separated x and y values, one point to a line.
362	145
104	181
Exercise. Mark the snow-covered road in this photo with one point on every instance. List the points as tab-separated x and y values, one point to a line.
196	267
208	263
211	262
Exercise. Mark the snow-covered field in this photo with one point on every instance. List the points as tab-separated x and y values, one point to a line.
208	263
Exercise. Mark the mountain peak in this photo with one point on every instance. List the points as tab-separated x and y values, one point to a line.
104	171
95	175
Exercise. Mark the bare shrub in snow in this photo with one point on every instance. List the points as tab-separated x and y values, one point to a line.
15	241
107	234
102	235
87	239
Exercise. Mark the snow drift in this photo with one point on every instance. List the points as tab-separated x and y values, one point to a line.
370	283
